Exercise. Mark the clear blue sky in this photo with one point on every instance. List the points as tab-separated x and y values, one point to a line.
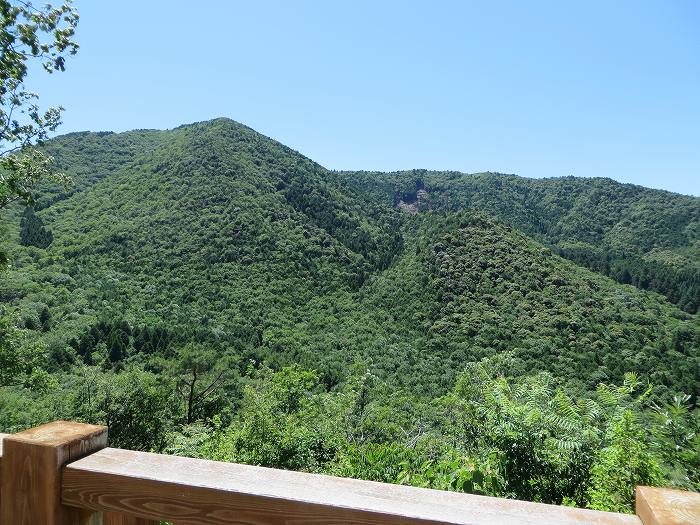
540	89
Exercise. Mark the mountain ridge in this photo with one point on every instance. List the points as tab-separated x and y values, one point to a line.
229	237
206	291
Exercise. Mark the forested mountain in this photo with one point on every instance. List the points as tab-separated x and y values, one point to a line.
209	291
215	229
636	235
480	288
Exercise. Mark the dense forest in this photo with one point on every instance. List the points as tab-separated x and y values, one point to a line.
636	235
207	291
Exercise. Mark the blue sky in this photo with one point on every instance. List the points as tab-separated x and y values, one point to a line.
539	89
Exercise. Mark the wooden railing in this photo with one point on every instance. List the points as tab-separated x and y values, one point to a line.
63	474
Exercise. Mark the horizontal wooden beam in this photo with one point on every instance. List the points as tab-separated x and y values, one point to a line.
199	492
657	506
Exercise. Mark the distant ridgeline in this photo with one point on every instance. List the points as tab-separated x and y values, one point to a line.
636	235
214	233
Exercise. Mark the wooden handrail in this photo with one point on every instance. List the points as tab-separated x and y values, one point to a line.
60	474
657	506
202	492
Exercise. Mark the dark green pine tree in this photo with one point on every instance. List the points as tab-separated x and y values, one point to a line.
32	230
117	346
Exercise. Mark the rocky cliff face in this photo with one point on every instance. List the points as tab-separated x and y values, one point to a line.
411	202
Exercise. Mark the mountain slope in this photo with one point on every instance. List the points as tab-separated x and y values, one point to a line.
214	233
471	287
210	226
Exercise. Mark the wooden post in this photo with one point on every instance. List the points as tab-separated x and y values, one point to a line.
2	438
32	465
657	506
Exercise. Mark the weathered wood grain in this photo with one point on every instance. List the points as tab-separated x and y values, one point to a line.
113	518
198	492
30	481
2	436
656	506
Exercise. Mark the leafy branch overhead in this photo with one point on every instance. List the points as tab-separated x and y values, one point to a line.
29	35
21	172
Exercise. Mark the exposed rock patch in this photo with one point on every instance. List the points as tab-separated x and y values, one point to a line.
411	202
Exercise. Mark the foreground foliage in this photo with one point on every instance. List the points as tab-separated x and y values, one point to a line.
524	438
